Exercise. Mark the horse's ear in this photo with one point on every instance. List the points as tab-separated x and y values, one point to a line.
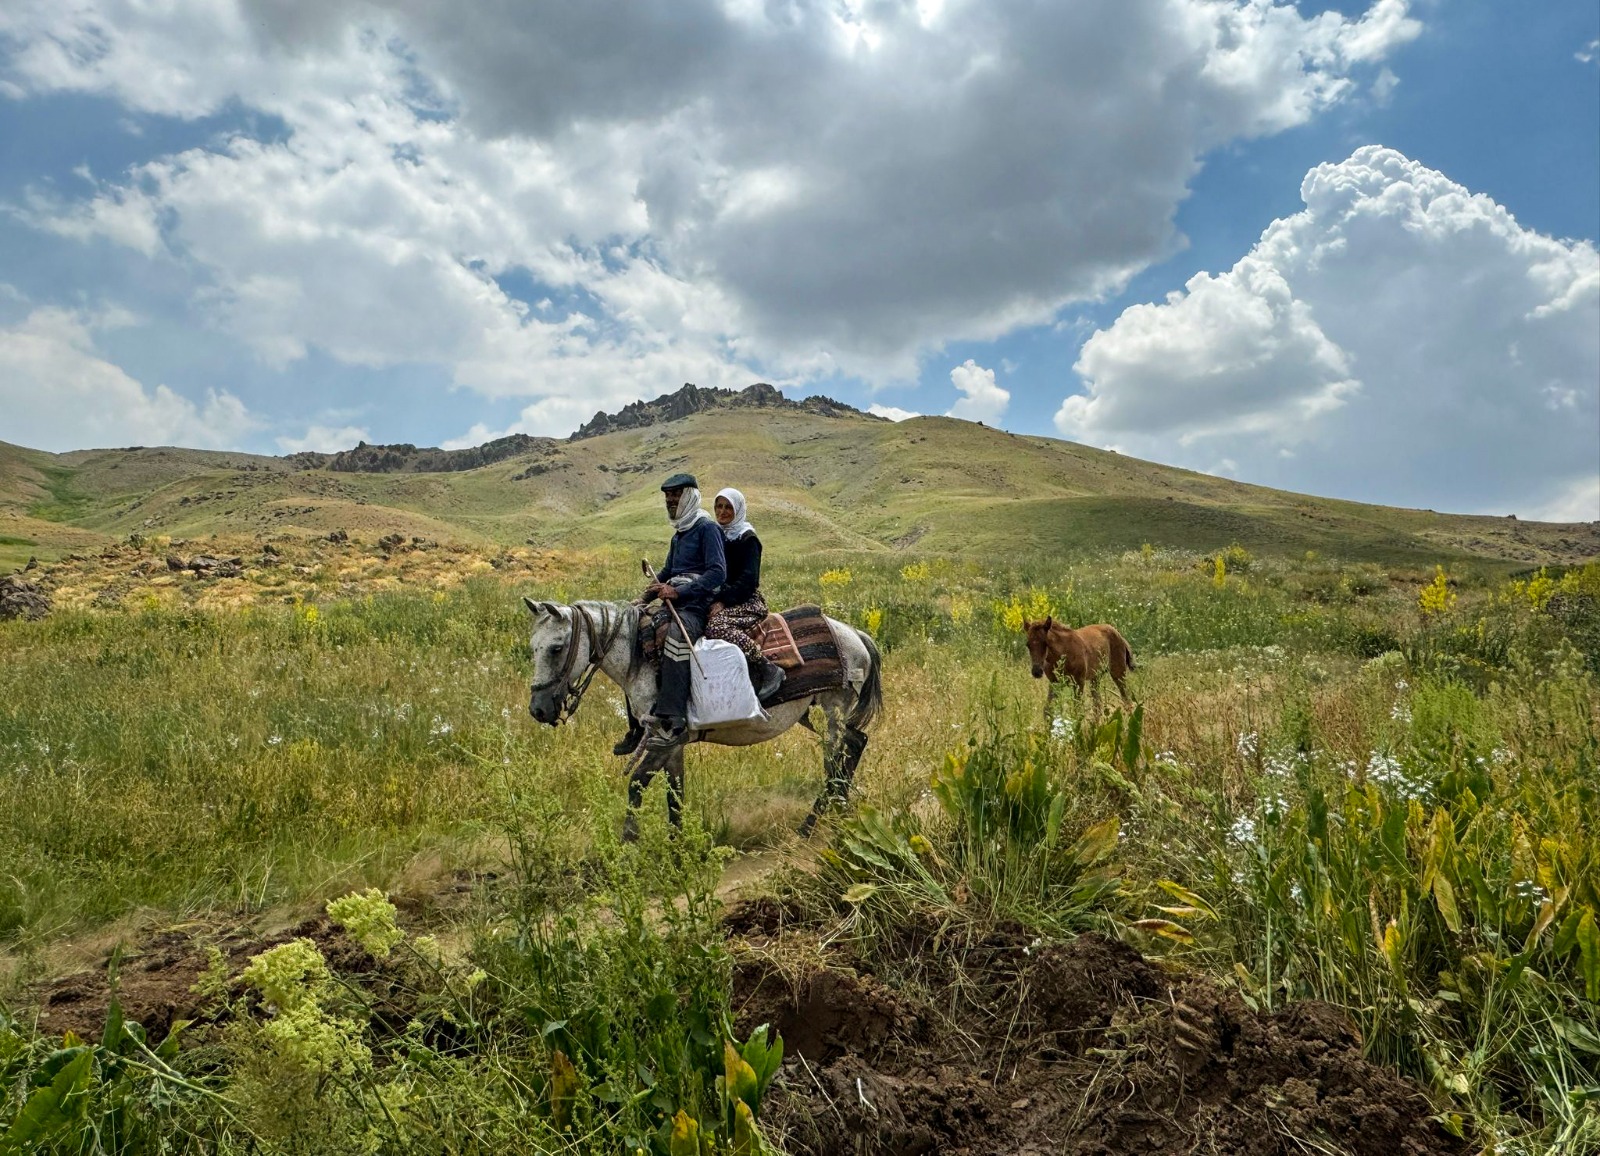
1049	621
537	609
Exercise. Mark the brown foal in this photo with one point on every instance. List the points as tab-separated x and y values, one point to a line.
1059	652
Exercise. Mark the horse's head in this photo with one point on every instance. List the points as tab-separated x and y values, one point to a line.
554	646
1038	636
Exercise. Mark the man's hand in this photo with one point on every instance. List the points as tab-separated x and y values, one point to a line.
667	592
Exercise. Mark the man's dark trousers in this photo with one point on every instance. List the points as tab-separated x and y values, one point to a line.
673	700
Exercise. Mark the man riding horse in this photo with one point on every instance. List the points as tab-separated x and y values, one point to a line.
695	570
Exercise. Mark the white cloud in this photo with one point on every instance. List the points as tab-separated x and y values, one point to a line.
1589	53
892	412
1405	338
719	191
57	393
1577	500
983	400
323	439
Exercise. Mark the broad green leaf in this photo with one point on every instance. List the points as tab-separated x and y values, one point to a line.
1130	744
1186	897
51	1107
1097	842
563	1087
745	1142
1052	824
860	893
1164	927
1567	937
1445	896
1589	955
685	1137
740	1077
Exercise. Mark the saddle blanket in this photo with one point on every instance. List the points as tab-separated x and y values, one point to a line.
799	640
821	666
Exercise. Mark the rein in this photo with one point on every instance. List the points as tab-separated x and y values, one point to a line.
599	646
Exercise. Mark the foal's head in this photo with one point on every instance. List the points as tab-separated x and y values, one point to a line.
1038	636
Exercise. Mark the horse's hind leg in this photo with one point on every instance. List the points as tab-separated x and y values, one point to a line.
842	747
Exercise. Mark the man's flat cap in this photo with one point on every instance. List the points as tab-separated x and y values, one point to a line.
679	482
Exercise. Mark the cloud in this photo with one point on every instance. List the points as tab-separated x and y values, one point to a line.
323	439
983	400
716	190
892	412
1403	339
1589	53
57	393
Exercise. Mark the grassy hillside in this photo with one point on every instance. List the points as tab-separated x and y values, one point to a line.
816	483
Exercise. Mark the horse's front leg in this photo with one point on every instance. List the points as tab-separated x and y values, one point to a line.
1050	700
646	763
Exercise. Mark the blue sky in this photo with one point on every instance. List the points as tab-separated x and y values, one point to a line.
1341	248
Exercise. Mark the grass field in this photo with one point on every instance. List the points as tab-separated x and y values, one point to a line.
1344	781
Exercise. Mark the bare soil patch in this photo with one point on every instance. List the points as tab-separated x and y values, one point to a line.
1083	1048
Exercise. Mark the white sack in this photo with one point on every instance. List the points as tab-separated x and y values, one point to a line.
719	686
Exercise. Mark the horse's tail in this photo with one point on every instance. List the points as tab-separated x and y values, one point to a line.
1127	652
869	700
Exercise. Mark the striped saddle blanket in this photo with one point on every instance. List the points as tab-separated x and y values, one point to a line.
799	640
810	641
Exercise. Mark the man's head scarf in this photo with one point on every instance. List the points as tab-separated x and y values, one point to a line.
689	511
739	527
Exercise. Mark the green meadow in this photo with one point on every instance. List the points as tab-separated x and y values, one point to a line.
1369	786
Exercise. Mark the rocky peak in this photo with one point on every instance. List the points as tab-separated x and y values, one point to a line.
693	399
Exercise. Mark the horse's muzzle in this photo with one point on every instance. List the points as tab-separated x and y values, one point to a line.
543	709
1038	672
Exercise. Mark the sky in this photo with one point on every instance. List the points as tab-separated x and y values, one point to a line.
1341	248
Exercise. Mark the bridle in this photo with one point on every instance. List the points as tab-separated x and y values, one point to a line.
600	639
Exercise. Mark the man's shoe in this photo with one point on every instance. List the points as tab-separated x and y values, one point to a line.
629	742
667	732
772	676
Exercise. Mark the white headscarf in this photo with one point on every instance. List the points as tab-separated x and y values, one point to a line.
740	526
689	511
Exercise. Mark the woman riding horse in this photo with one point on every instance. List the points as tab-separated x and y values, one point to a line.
740	609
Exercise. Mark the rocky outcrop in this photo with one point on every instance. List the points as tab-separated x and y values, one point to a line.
20	598
693	399
405	458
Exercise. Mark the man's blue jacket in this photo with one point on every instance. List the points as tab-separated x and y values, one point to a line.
697	552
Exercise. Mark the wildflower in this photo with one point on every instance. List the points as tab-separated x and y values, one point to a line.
1436	597
369	918
1528	889
1247	744
960	611
872	620
1243	831
921	847
287	975
839	577
1061	728
916	572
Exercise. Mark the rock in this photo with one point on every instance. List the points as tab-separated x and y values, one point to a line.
271	551
20	598
391	542
176	563
32	564
339	536
203	563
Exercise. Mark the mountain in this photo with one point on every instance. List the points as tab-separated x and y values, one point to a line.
820	476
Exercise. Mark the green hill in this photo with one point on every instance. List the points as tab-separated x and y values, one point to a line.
821	477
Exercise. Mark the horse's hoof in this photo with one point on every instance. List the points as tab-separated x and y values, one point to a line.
808	825
630	829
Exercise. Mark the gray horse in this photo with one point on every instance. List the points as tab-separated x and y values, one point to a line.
570	643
